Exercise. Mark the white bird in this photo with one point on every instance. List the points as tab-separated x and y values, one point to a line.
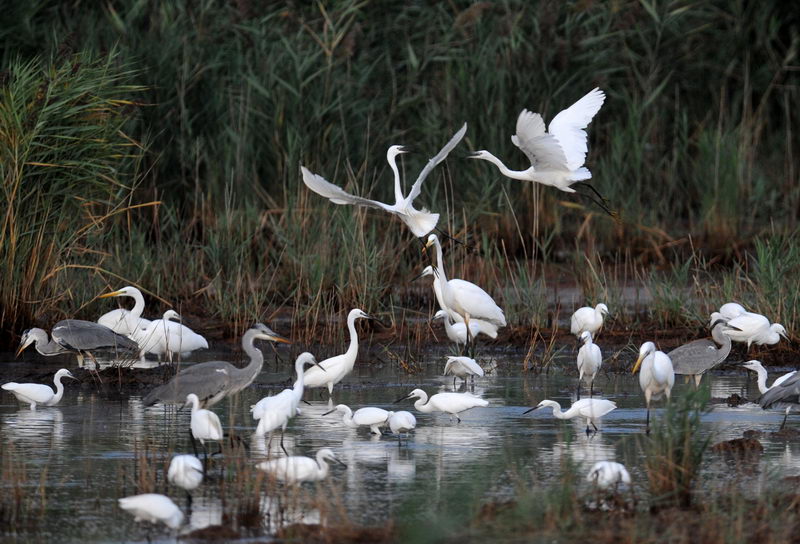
163	336
185	471
450	403
36	393
608	474
457	332
123	321
590	409
334	369
420	222
205	424
556	157
297	469
402	422
588	319
462	367
754	328
729	310
483	327
759	369
657	376
589	361
154	508
369	416
276	411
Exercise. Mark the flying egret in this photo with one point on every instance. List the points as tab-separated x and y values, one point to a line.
186	472
784	392
333	370
462	367
402	422
759	369
205	424
699	356
590	409
214	380
122	321
154	508
298	469
276	411
164	336
589	361
588	319
608	474
36	393
75	336
656	377
420	222
369	416
754	328
458	328
450	403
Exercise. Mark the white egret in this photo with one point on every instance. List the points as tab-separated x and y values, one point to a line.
556	157
754	328
205	424
698	357
458	327
729	310
122	321
590	409
164	336
588	319
420	222
761	372
75	336
462	367
333	370
154	508
608	474
36	393
276	411
589	361
185	471
657	376
450	403
369	416
298	469
457	332
402	422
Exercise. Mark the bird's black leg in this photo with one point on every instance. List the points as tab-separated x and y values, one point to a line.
189	503
454	383
591	389
283	447
578	390
458	418
593	425
647	425
783	424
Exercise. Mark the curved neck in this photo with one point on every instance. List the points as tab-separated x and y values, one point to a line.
352	349
48	347
423	406
437	290
515	174
323	466
59	391
256	357
762	379
558	413
347	417
299	384
398	190
195	404
138	304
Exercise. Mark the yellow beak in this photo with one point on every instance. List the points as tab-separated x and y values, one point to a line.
636	366
112	294
19	349
280	339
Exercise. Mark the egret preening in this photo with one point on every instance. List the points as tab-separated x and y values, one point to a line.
608	475
276	411
754	329
36	393
154	508
420	222
298	469
462	367
214	380
122	321
777	399
730	310
588	319
589	361
589	409
186	472
370	416
164	336
402	422
333	370
449	403
699	356
656	377
75	336
458	328
205	424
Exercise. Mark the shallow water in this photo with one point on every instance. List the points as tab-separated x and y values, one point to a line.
88	446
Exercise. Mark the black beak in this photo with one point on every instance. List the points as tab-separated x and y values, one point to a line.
472	154
530	410
418	277
402	399
719	321
329	412
344	465
406	149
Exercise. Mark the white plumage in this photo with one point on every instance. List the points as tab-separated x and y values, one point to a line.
185	471
608	474
730	310
402	422
369	416
588	319
205	424
154	508
457	332
589	409
122	321
482	326
590	359
297	469
36	393
450	403
462	367
754	328
166	337
657	375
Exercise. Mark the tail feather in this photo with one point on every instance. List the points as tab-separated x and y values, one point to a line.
580	174
421	222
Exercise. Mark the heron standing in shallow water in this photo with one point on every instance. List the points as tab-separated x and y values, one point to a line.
696	358
75	336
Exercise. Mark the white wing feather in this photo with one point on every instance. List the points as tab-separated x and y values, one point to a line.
568	127
440	156
336	194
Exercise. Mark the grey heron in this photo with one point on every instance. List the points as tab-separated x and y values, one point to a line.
36	393
214	380
124	321
75	336
783	393
697	357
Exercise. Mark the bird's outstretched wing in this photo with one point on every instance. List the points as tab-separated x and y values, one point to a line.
336	194
568	127
87	335
530	126
440	156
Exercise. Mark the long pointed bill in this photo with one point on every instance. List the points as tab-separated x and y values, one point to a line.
402	399
112	294
530	410
717	322
279	339
341	463
329	412
636	366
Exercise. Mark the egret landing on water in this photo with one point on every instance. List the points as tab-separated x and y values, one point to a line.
696	358
588	319
186	472
656	378
754	329
590	409
154	508
166	337
781	398
608	475
462	367
298	469
589	361
370	416
36	393
122	321
449	403
75	336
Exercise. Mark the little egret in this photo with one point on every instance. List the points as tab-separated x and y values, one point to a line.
759	369
462	367
656	377
458	328
36	393
590	409
589	361
588	319
333	370
450	403
205	424
402	422
608	475
457	332
154	508
784	393
730	310
214	380
754	328
298	469
186	472
163	336
276	411
75	336
370	416
420	222
122	321
699	356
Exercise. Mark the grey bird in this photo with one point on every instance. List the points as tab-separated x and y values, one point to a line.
215	380
695	358
785	395
75	336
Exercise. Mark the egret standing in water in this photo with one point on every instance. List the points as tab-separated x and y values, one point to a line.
656	377
457	332
588	319
205	424
590	359
186	472
608	474
589	409
449	403
462	367
154	508
122	321
298	469
36	393
369	416
75	336
402	422
420	222
164	336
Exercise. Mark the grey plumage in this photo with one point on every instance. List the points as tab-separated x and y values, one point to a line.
699	356
782	395
75	336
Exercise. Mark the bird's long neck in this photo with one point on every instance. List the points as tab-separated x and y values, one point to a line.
138	305
323	466
558	413
437	290
252	369
506	171
299	384
195	404
423	406
59	391
347	418
398	190
762	379
47	347
352	349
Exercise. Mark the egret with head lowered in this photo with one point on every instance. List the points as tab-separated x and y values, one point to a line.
369	416
751	328
154	508
592	410
449	403
166	337
462	367
298	469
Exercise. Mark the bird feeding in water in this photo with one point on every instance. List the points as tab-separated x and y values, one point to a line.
449	403
154	508
778	400
608	475
75	336
589	409
751	328
122	321
462	367
166	337
369	416
38	394
588	319
186	472
696	358
298	469
589	362
420	222
205	424
401	422
656	377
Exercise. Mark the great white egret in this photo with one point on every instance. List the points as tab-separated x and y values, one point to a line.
608	475
75	336
590	359
699	356
369	416
122	321
154	508
656	377
36	393
166	337
759	369
588	319
556	157
589	409
479	325
449	403
420	222
205	424
333	370
753	328
298	469
462	367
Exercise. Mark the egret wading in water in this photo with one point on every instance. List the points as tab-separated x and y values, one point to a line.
608	475
590	359
589	409
276	411
75	336
127	322
753	328
696	358
186	472
39	394
462	367
588	319
778	400
154	508
449	403
205	424
370	416
214	380
656	377
298	469
166	337
402	422
420	222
